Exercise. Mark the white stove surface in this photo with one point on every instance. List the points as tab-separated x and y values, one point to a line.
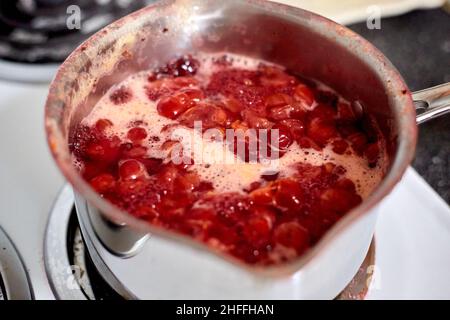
412	235
29	179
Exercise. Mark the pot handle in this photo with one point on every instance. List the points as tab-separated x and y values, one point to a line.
432	102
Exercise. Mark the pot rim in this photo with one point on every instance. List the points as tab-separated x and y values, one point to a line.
398	93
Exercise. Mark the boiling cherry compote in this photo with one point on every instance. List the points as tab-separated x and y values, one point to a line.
330	155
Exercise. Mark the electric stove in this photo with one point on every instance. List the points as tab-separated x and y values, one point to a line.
37	35
411	238
44	255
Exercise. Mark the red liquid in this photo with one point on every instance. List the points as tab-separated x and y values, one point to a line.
275	218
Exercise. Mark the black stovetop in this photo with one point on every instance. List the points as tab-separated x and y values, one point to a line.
45	31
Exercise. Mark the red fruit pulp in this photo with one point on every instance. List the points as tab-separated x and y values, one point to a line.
275	218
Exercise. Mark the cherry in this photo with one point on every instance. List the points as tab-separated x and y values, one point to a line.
210	115
181	67
296	127
275	77
172	106
131	170
230	207
137	134
92	169
287	111
173	206
232	105
78	140
309	174
184	66
321	131
347	129
104	150
255	121
339	146
103	183
201	214
167	175
303	94
257	230
278	100
345	113
95	151
131	189
339	200
102	124
346	184
263	196
198	221
289	194
358	141
204	186
280	113
239	125
195	95
284	137
224	234
188	181
307	143
292	235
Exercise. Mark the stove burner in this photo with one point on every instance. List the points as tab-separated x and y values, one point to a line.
41	31
36	35
70	270
2	289
14	282
92	284
74	275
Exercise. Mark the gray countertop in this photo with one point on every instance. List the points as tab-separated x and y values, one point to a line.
418	44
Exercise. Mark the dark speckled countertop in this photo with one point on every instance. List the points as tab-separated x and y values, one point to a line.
418	44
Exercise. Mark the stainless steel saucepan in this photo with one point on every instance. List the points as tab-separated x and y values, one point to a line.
299	40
